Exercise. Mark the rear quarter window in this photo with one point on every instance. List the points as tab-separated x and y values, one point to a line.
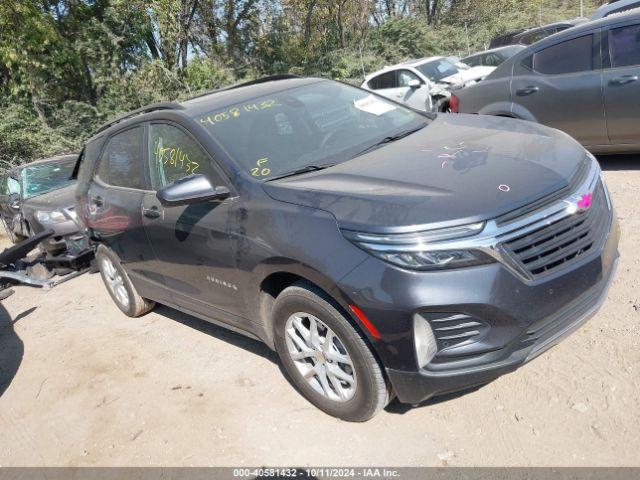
386	80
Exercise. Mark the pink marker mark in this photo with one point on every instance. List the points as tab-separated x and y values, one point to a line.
585	201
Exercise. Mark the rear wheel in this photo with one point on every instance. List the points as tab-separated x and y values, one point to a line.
119	285
326	357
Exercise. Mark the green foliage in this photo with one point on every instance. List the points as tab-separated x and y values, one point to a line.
66	66
22	138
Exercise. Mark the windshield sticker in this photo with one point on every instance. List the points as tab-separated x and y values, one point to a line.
175	157
236	112
260	171
373	105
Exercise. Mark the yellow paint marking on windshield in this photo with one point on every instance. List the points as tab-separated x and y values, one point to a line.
236	112
175	157
261	172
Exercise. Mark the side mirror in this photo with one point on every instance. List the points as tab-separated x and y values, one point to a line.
189	190
414	83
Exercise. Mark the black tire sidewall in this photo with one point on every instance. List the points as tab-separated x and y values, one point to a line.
104	252
362	406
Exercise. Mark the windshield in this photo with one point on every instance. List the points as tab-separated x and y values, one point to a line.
438	69
46	177
310	126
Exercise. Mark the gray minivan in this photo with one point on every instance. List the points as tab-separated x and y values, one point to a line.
583	81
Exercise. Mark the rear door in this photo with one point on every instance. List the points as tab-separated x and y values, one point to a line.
113	210
192	243
622	83
561	86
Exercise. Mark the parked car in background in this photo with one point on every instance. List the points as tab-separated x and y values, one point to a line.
379	252
532	35
615	7
493	57
424	84
584	81
40	195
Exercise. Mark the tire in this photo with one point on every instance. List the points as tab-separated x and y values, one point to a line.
349	355
119	285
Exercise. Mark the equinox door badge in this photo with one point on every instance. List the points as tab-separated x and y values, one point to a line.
222	283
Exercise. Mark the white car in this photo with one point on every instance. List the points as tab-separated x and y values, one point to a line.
424	84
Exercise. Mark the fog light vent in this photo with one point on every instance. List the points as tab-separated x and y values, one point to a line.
425	343
455	329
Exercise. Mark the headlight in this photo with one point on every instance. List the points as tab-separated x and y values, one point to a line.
50	217
421	250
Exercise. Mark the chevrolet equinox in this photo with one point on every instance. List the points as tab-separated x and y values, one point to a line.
380	252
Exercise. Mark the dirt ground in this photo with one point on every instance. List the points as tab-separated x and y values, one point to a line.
81	385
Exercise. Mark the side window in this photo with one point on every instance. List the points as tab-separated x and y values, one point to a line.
492	60
121	163
574	55
13	185
474	61
173	154
405	76
624	46
386	80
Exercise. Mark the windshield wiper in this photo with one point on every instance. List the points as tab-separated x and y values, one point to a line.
299	171
389	139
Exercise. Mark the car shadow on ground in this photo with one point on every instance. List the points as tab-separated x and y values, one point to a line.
615	163
11	347
236	339
257	347
398	408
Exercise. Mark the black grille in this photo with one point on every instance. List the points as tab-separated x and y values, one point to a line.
563	241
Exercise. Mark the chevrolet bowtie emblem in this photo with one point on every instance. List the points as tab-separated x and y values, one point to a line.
579	202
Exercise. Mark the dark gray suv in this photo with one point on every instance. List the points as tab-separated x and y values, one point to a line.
382	253
584	81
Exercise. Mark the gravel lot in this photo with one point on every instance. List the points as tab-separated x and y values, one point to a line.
81	384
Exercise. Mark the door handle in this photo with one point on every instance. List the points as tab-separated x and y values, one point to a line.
623	80
97	201
152	212
527	90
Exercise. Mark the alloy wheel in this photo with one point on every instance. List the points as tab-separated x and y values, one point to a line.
320	357
115	282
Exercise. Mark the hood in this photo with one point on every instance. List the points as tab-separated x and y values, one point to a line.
465	76
60	198
459	169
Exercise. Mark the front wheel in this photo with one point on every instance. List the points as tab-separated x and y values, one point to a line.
326	357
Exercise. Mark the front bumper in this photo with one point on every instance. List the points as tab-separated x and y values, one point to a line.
64	232
415	387
523	319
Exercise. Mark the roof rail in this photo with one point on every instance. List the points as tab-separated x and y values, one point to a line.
270	78
149	108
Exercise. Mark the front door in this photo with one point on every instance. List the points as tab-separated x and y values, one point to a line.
416	96
561	86
622	85
191	243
